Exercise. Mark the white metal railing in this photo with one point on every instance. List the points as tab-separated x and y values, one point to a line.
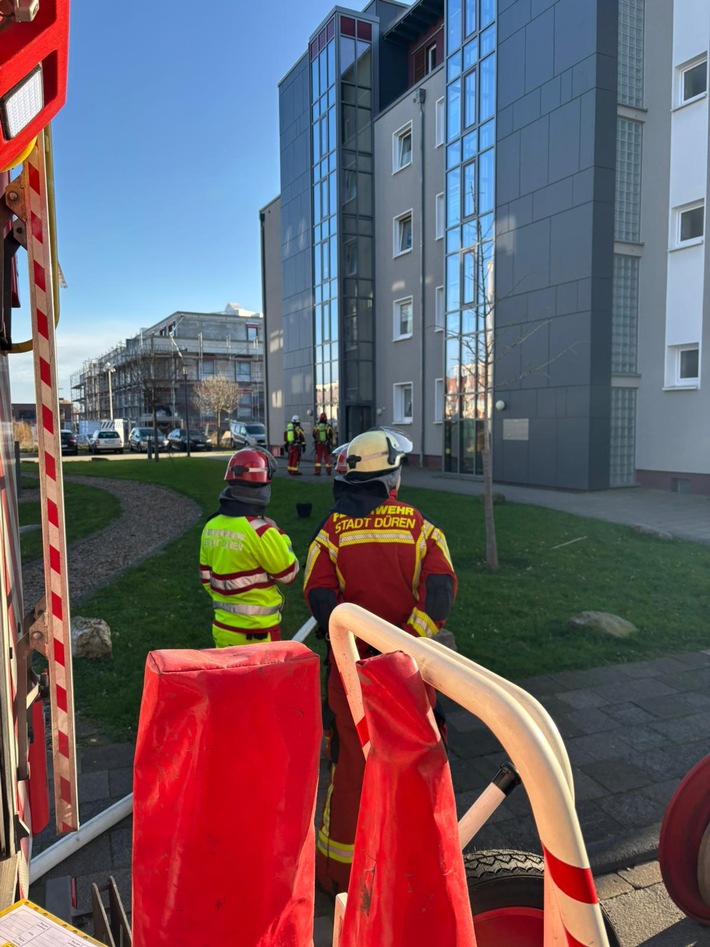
530	738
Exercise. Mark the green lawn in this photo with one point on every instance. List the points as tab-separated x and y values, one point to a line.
86	511
514	621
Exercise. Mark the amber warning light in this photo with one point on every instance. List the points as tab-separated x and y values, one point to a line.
33	74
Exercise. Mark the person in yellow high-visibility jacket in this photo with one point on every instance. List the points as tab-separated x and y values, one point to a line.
243	555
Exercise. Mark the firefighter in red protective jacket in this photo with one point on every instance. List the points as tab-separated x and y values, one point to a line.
380	553
322	444
243	554
294	443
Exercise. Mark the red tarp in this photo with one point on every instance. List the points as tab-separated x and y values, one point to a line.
408	884
226	770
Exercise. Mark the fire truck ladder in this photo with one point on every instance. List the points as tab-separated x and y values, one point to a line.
30	197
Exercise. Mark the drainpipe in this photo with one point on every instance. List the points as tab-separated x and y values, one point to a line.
420	96
262	221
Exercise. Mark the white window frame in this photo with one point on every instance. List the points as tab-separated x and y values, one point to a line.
438	401
397	334
440	122
398	402
397	138
430	67
680	81
674	361
396	232
678	212
440	216
439	310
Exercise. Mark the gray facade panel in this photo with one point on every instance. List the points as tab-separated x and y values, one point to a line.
296	230
570	254
531	261
508	159
511	84
555	272
575	32
585	76
565	127
553	199
512	19
527	109
535	145
539	51
550	95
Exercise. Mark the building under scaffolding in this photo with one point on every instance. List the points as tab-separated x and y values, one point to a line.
160	366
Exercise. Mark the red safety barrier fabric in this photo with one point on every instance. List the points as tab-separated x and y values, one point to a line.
408	884
225	778
38	785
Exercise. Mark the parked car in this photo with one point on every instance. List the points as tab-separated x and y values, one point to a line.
141	437
69	442
105	442
247	434
177	440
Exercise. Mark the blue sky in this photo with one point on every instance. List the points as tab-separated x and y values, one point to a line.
164	152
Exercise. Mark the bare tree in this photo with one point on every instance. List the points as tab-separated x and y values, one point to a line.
482	355
217	395
153	373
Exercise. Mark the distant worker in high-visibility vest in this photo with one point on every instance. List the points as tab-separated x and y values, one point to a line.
243	555
294	444
323	444
380	553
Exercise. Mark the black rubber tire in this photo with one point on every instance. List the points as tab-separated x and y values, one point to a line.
507	879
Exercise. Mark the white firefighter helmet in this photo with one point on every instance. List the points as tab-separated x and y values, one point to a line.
378	451
295	419
339	455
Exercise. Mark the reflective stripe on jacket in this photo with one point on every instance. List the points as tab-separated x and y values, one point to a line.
241	560
382	561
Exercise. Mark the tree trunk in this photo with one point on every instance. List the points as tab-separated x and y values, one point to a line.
156	449
491	543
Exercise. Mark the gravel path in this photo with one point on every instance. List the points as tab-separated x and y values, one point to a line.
152	517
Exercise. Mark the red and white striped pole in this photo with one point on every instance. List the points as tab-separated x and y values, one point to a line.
41	274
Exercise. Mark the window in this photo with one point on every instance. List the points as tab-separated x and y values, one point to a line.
691	224
403	403
402	148
431	62
207	367
439	216
688	364
351	258
403	233
683	366
439	324
438	400
693	80
440	130
252	333
243	371
402	318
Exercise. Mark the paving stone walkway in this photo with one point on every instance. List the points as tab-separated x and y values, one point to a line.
632	731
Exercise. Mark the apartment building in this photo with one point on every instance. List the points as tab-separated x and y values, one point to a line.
164	362
495	212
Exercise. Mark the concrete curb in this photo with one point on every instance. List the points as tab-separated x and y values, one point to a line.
635	848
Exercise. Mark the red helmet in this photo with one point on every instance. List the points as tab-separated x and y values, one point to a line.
323	417
340	456
250	465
